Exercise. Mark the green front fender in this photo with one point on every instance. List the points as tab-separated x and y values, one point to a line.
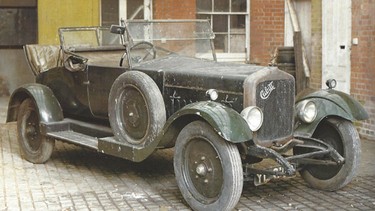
225	121
49	108
328	103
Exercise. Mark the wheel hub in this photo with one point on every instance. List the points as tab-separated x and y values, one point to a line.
30	130
201	170
133	116
204	169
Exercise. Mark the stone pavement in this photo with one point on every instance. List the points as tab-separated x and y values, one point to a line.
78	179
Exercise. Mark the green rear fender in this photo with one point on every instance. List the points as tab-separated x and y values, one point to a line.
329	103
225	121
49	108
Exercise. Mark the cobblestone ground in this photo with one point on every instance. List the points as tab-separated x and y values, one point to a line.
78	179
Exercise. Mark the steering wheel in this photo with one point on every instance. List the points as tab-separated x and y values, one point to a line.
148	47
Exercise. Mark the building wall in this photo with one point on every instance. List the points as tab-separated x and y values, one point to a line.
53	14
18	26
174	9
266	29
363	62
316	47
14	70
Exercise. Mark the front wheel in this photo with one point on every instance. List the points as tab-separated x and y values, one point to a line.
35	147
343	137
208	169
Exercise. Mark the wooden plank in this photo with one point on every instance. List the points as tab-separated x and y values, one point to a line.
293	15
302	66
301	81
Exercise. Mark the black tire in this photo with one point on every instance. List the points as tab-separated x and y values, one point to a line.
208	169
136	109
342	136
35	147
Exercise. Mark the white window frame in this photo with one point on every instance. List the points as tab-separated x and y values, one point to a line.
146	7
234	57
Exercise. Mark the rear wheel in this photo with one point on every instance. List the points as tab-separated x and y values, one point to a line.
208	169
343	137
35	147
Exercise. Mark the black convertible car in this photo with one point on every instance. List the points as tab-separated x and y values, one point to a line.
134	88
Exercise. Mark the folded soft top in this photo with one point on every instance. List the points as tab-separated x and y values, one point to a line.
43	57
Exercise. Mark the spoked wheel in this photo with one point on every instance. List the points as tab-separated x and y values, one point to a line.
343	137
147	47
208	169
136	109
35	147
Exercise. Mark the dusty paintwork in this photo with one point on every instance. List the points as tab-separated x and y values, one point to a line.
155	84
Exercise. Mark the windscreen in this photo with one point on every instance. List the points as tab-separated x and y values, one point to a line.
185	37
189	38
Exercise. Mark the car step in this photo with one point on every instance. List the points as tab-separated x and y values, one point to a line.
75	138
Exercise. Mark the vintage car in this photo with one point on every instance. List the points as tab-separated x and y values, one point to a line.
133	88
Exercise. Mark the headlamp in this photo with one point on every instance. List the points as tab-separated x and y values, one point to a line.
331	83
253	116
307	111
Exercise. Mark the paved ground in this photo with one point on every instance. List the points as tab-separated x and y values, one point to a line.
79	179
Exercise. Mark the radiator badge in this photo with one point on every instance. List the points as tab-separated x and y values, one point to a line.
266	91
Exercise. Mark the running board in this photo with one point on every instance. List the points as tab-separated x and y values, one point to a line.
75	138
97	137
76	132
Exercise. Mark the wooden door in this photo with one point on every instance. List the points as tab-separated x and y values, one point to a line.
336	46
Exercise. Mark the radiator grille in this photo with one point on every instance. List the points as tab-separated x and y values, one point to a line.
276	99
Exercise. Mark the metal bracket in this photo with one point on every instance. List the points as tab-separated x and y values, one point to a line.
321	148
263	152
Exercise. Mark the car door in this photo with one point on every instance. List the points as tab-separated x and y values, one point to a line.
100	80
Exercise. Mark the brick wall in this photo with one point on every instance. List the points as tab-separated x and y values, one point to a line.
174	9
316	48
363	62
267	23
266	29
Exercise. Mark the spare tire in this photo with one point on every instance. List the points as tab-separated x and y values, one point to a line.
136	109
